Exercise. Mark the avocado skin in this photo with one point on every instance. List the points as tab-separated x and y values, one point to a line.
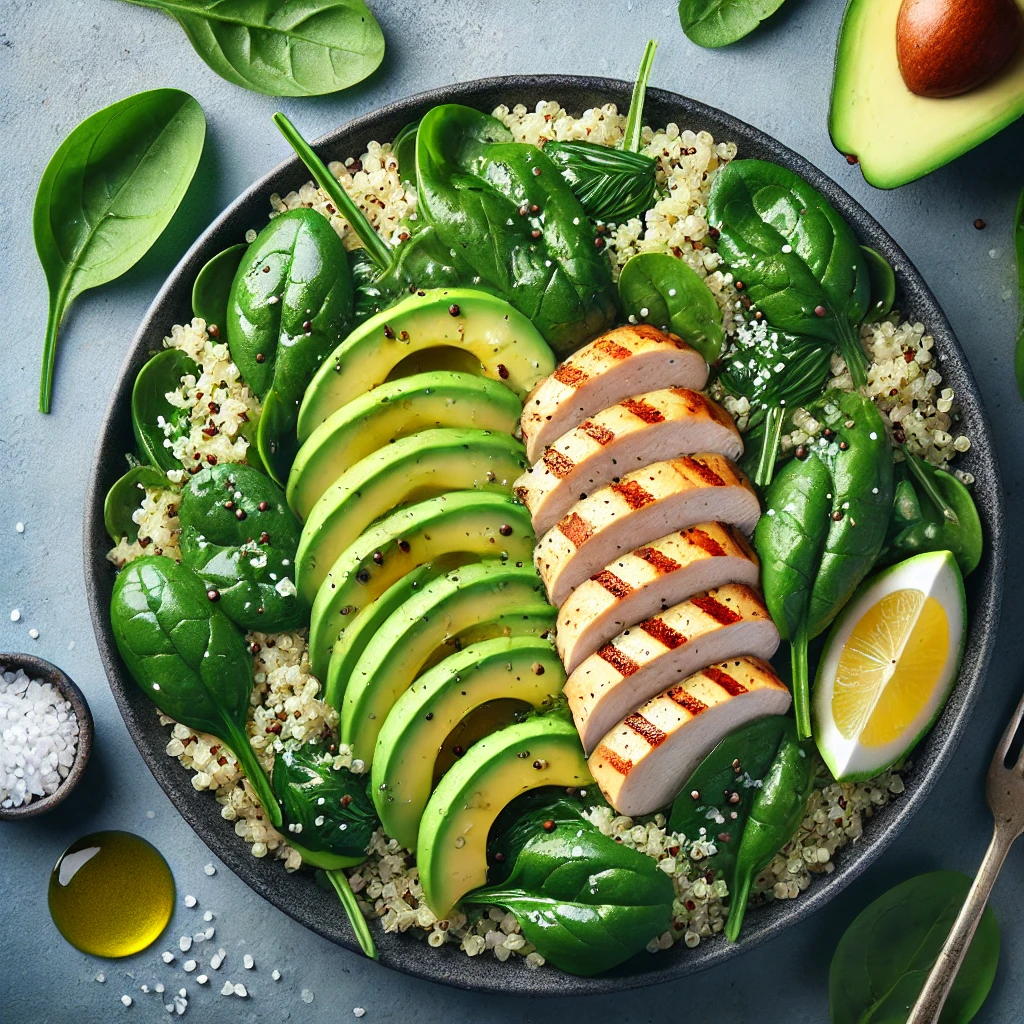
895	135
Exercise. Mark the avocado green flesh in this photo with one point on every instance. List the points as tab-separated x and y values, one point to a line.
480	722
451	850
414	631
503	342
385	414
897	135
526	668
533	621
412	469
347	650
471	522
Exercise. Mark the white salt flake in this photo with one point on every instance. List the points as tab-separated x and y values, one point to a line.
358	1011
275	974
247	962
208	916
126	1000
306	996
210	869
15	615
190	901
240	990
228	989
34	633
189	966
19	527
202	979
167	956
185	943
158	987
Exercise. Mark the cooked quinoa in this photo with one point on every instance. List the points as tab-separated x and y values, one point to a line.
902	379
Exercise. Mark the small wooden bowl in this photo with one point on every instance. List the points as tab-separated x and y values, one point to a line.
37	668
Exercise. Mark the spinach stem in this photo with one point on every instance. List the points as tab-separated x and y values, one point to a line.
773	422
928	486
240	747
378	249
737	907
852	352
801	686
348	900
635	120
53	319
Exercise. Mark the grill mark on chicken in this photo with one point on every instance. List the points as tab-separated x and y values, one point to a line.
602	435
521	494
645	728
615	586
733	687
633	494
612	349
642	410
575	529
704	541
719	612
649	333
622	663
686	701
663	633
558	464
660	561
705	472
622	765
571	376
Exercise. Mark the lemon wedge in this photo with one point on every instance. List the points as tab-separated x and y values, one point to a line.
889	664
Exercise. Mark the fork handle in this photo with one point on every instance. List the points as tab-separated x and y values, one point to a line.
942	975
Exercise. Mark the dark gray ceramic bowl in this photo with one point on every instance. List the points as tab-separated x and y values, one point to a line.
298	894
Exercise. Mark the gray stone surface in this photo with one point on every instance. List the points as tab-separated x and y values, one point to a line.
61	61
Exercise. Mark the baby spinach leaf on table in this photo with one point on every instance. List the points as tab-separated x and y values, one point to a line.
714	23
125	498
188	658
586	902
660	289
240	537
825	522
106	196
797	259
155	421
212	289
478	189
295	48
883	285
883	959
1018	245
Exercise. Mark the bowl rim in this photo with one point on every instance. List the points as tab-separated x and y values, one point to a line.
39	668
299	896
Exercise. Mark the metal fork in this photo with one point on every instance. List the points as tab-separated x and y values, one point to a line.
1006	798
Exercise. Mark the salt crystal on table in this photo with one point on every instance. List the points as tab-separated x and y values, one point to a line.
190	901
240	990
228	989
275	974
19	527
158	987
202	979
185	943
306	996
189	966
210	869
358	1011
248	962
34	633
101	978
127	1000
208	916
15	615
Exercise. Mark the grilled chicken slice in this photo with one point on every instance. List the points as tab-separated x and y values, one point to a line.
649	580
645	659
629	435
643	506
645	760
623	362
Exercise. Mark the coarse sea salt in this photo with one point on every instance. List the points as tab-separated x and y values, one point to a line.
38	738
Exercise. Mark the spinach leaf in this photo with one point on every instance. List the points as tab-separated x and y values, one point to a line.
211	292
586	902
1018	245
290	306
106	196
524	819
239	536
714	23
751	794
613	184
188	658
797	259
511	221
881	963
404	148
883	285
155	421
825	521
298	48
657	288
125	498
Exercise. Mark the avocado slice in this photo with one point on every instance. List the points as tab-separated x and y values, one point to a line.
896	135
532	620
524	667
412	469
393	410
415	630
482	333
451	850
482	523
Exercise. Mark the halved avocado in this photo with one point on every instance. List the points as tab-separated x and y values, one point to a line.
347	650
484	334
451	851
526	668
414	631
393	410
482	523
412	469
895	134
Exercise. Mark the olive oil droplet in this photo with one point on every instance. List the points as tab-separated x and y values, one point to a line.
111	894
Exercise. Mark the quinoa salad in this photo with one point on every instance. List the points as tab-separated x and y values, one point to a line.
904	382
